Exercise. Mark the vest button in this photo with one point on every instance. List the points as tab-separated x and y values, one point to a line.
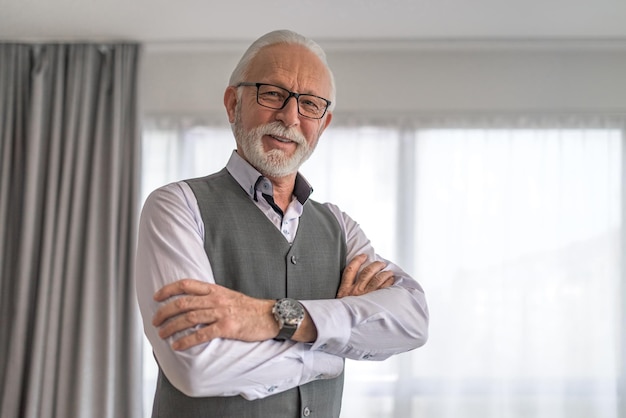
306	411
294	260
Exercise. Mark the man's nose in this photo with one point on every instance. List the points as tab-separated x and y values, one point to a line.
289	115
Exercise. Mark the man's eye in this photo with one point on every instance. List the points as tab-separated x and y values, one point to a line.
310	104
274	95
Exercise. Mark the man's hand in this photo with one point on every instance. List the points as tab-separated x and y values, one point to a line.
371	278
224	313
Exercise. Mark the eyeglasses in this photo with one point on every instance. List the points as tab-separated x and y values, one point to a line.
274	97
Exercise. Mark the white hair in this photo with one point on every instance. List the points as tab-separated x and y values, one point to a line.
281	37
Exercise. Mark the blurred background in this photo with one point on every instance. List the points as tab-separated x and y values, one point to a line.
490	134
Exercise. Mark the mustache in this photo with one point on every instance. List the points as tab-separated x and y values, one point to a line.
278	129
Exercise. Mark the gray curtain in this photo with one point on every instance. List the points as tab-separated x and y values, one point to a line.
70	336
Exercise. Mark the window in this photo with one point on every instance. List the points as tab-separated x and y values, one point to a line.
515	232
519	241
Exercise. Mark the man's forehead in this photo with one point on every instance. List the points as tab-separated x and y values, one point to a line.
294	62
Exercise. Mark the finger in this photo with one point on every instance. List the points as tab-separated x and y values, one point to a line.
183	286
185	321
371	269
177	307
349	275
368	274
389	282
198	337
378	280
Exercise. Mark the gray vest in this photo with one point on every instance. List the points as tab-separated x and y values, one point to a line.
249	254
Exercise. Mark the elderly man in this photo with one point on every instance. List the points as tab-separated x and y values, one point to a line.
253	294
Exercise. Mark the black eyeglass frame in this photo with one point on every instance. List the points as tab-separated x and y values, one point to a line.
291	94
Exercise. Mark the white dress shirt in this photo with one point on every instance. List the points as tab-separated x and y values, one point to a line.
369	327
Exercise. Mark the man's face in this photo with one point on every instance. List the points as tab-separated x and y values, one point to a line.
278	141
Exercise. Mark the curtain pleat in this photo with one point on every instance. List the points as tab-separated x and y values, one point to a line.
70	339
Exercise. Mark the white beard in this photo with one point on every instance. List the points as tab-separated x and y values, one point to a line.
273	163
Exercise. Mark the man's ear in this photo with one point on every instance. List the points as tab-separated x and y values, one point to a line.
230	102
327	119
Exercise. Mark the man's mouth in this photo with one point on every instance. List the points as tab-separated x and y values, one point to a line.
281	139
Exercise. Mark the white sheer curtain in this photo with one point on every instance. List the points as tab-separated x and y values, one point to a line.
518	244
512	225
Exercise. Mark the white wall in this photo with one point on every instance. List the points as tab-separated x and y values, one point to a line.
419	79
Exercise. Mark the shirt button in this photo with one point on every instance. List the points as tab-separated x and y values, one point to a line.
271	389
306	411
367	357
294	260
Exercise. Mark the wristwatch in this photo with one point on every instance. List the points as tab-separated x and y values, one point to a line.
289	314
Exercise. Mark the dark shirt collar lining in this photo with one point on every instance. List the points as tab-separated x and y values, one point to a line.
251	180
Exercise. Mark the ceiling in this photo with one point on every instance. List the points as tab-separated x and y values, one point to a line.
163	22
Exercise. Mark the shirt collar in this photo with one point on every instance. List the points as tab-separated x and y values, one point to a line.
248	177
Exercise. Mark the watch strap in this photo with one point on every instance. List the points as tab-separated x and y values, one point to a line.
286	332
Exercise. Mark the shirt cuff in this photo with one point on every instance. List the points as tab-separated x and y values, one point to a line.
333	323
319	365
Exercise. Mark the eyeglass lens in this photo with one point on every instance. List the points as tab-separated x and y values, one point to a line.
275	97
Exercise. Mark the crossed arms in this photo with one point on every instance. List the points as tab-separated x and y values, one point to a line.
213	341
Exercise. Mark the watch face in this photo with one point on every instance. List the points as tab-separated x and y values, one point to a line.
290	311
